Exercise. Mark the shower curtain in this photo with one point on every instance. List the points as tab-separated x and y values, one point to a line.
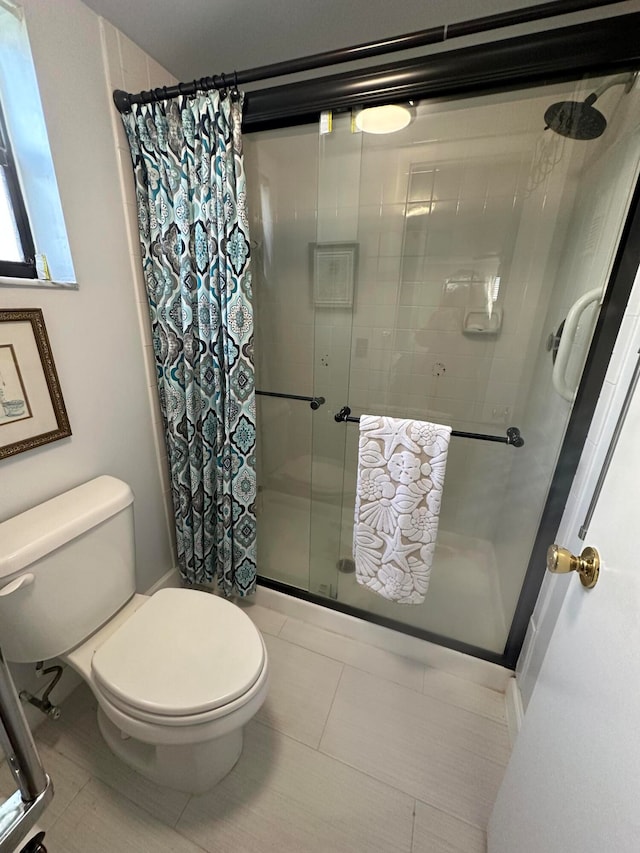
194	232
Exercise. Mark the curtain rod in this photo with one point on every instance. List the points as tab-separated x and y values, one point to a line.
421	38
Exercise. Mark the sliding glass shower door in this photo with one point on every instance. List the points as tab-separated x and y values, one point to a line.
452	271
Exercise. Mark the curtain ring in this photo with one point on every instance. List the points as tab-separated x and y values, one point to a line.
223	91
235	94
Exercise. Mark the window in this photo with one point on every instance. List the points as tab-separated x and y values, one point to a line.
17	252
33	237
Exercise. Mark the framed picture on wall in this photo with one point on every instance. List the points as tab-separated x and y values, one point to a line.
333	273
32	411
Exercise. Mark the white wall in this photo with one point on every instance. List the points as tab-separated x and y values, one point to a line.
94	331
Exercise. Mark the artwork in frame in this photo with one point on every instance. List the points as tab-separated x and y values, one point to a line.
32	411
333	273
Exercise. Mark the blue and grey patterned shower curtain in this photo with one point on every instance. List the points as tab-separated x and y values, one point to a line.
194	231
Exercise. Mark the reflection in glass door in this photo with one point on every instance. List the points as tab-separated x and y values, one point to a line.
427	274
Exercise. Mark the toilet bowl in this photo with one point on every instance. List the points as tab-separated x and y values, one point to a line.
175	715
176	675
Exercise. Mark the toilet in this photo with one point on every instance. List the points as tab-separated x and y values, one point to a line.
177	674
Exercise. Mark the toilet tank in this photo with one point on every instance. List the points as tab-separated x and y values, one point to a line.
66	566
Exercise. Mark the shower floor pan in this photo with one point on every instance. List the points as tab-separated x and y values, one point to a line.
463	600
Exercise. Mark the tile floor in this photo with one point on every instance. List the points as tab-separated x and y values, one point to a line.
356	749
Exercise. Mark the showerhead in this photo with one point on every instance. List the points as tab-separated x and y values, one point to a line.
580	119
576	119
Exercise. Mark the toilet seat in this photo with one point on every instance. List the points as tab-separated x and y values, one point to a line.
183	657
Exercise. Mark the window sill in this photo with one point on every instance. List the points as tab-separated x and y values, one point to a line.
44	284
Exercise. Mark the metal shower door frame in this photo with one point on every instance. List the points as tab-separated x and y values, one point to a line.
598	47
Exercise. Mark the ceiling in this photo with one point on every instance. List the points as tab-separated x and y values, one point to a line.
196	38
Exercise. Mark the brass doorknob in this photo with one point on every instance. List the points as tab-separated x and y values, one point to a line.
560	561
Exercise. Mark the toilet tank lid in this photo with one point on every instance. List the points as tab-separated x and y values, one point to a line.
31	535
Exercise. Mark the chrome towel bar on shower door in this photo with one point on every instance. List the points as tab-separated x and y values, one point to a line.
512	437
314	402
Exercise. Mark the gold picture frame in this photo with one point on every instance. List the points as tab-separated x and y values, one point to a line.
32	410
333	273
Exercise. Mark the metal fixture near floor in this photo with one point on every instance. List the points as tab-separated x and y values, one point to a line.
44	704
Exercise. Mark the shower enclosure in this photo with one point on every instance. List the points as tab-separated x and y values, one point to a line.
452	271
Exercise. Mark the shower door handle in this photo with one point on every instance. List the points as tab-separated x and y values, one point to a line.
566	342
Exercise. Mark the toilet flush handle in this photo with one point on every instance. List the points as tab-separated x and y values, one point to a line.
18	583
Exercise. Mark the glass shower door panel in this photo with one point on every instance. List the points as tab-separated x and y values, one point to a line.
284	491
477	232
333	286
282	203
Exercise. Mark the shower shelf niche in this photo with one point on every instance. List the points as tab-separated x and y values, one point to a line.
479	322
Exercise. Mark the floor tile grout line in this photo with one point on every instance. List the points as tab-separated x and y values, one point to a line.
451	814
136	805
333	699
189	798
68	758
190	840
108	784
359	642
413	823
271	728
501	724
358	770
394	787
425	668
355	666
72	800
491	718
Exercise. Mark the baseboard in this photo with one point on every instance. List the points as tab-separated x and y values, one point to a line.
514	709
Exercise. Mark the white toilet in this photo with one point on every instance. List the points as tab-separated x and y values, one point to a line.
176	675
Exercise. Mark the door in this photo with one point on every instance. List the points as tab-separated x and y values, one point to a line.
573	780
420	274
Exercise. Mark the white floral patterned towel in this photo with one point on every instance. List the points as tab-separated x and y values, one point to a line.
400	477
